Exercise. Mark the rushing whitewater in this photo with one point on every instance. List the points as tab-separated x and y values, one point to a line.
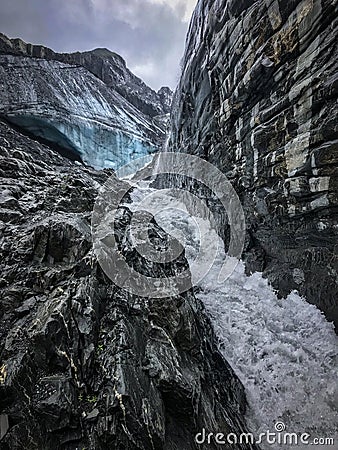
283	350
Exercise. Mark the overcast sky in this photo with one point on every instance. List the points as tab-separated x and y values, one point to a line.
149	34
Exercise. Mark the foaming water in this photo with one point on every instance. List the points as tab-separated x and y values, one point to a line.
283	350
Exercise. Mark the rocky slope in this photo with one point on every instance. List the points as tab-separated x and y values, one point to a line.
257	98
88	103
82	363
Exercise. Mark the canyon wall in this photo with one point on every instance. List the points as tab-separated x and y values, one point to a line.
257	98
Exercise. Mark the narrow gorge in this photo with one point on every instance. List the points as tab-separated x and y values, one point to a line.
235	336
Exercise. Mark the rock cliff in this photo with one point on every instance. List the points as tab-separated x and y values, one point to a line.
88	103
84	365
257	98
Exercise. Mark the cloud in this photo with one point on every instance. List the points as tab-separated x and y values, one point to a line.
149	34
185	8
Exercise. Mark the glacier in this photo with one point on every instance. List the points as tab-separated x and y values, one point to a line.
98	146
68	106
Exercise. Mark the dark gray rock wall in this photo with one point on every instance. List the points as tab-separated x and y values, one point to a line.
84	365
258	98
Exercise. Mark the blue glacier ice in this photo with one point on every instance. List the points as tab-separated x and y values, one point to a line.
70	107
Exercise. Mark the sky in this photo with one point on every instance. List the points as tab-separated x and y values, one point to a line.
148	34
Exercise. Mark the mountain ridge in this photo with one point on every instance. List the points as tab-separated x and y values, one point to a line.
95	61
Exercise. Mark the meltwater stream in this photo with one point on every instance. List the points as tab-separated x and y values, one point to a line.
283	350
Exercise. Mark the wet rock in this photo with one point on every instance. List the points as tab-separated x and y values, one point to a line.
3	425
93	414
54	404
84	364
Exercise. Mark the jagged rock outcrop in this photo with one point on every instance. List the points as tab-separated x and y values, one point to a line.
257	98
88	103
83	364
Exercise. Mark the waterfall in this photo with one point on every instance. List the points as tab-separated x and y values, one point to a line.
283	350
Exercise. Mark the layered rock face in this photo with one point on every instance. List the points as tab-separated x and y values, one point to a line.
257	98
88	103
83	364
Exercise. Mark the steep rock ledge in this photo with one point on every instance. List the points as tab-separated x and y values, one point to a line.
82	363
257	98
